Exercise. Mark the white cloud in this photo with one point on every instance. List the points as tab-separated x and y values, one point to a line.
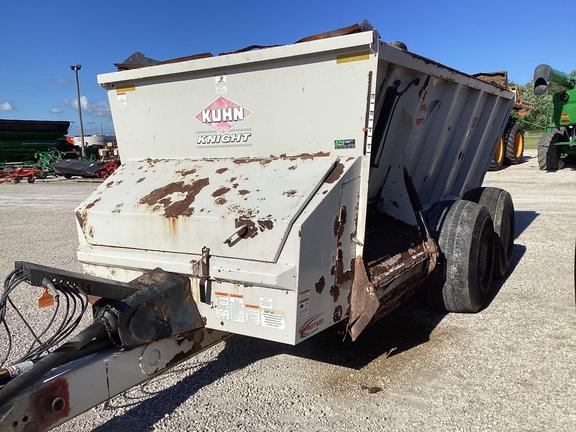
96	109
6	106
60	81
56	110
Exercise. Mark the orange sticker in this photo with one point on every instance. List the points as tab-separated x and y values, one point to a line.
45	300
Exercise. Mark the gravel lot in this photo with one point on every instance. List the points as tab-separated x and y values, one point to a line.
509	368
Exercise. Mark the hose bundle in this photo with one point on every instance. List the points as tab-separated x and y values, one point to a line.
67	311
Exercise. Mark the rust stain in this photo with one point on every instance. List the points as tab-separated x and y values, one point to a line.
251	231
221	170
339	223
335	174
337	315
289	193
50	403
243	192
265	224
220	192
81	218
354	232
140	180
173	209
82	215
219	201
261	161
173	224
292	168
341	278
253	228
185	173
92	204
320	285
307	156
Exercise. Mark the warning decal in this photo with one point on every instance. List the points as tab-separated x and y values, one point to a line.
272	319
222	306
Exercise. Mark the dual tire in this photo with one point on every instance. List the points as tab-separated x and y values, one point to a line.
509	148
475	238
515	144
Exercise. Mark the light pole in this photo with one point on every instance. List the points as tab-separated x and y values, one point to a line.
76	69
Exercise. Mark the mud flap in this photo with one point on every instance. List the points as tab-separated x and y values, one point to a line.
363	300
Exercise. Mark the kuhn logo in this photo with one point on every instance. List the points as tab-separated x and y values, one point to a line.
311	325
223	114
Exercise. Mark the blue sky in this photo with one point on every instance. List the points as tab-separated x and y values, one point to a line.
43	38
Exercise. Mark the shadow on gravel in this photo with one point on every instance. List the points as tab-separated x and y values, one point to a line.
523	219
405	328
517	254
238	353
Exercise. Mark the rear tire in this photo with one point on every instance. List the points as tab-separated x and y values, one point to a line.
548	153
515	144
498	157
465	235
501	208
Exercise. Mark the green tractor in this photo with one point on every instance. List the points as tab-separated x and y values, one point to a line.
559	142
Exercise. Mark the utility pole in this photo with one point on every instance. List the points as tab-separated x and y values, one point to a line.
76	68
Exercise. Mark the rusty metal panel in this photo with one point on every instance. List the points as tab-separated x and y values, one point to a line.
241	208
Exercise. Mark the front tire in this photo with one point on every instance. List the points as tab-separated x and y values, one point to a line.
465	235
548	153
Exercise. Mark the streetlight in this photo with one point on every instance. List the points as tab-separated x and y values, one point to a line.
76	69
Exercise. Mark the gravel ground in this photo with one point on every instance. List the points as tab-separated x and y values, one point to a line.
508	368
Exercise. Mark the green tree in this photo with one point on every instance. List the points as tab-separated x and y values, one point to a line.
536	118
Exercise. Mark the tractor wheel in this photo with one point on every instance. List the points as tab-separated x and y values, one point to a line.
31	179
497	162
548	153
465	235
16	179
501	208
515	144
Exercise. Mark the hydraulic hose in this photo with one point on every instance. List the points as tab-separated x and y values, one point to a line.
58	357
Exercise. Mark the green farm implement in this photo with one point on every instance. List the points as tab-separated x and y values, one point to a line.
559	142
